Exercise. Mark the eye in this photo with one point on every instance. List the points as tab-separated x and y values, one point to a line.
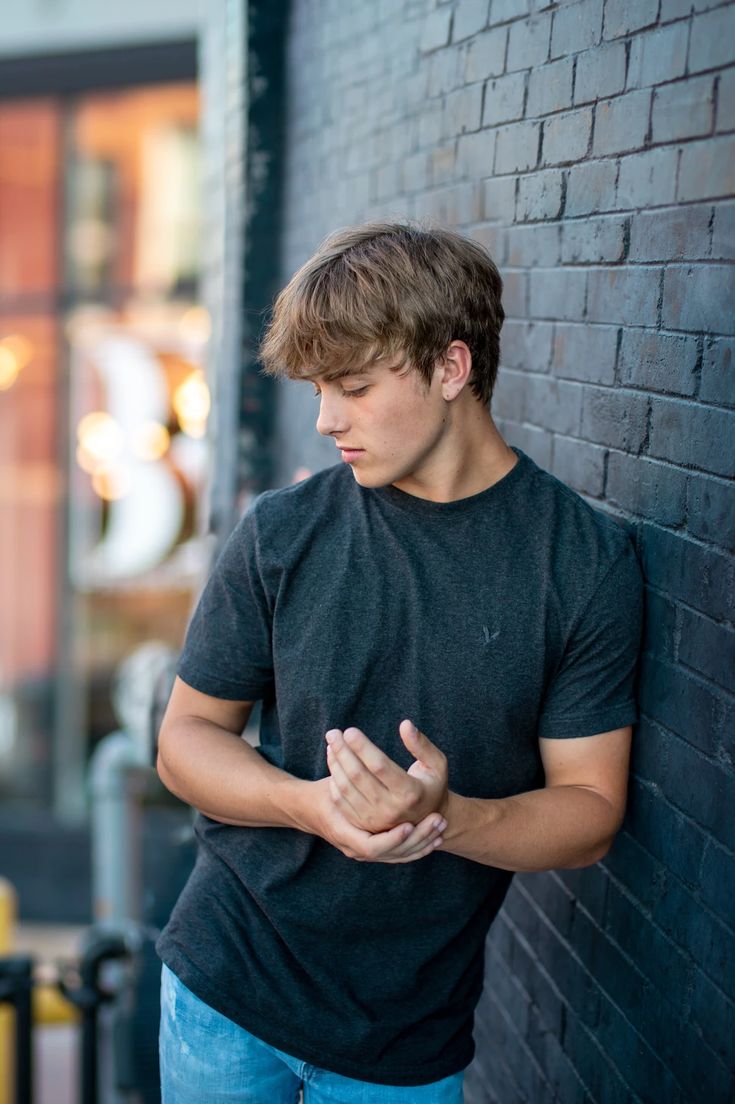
356	392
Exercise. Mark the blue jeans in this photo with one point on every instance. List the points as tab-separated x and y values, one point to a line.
208	1059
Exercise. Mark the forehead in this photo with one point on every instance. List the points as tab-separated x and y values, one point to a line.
397	366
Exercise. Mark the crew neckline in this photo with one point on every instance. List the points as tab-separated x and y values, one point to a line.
496	492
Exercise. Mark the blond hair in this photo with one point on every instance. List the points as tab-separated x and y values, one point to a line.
384	290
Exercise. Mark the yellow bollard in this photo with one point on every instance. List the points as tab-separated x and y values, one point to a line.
8	909
49	1006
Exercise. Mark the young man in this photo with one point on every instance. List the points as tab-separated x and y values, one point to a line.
444	640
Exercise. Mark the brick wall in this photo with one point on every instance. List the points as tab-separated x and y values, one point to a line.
590	146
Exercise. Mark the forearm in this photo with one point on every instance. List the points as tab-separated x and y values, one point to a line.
550	829
226	779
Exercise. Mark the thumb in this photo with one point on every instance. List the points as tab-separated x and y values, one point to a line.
419	745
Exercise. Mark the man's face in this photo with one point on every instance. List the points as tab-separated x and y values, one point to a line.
387	425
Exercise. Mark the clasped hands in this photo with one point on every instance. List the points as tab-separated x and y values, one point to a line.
377	811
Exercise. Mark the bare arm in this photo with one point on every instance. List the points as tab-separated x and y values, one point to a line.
569	823
203	759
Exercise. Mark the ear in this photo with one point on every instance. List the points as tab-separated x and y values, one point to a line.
455	368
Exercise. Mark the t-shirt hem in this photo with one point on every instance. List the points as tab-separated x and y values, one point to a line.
192	977
588	724
216	688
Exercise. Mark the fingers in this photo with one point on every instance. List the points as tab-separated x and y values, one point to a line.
422	839
353	781
420	745
376	761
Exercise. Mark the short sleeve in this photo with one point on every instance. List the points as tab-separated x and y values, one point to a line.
594	688
227	651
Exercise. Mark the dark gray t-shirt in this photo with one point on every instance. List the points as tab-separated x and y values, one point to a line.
489	621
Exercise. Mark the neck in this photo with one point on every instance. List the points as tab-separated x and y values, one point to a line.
470	457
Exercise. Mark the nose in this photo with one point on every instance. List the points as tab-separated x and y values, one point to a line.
332	418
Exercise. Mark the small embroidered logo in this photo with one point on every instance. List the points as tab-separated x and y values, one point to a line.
486	634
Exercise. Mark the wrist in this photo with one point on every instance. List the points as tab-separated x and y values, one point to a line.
299	803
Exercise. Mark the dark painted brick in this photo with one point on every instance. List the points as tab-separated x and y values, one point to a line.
563	1079
715	1015
529	246
526	345
470	16
658	362
678	233
707	169
660	634
656	955
593	241
708	648
684	703
588	885
723	235
712	945
621	123
622	17
576	27
699	298
644	487
636	869
591	188
550	87
717	883
684	109
583	352
579	465
702	789
652	749
612	417
628	295
711	510
517	147
718	375
553	404
643	1068
657	56
590	1060
566	136
600	72
528	42
486	55
504	99
499	198
540	197
711	41
686	433
702	577
647	179
664	832
558	294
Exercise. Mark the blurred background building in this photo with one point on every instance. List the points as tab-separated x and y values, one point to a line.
164	168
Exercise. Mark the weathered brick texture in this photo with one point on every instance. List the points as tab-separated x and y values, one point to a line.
589	145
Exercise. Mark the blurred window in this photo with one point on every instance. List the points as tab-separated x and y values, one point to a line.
103	410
